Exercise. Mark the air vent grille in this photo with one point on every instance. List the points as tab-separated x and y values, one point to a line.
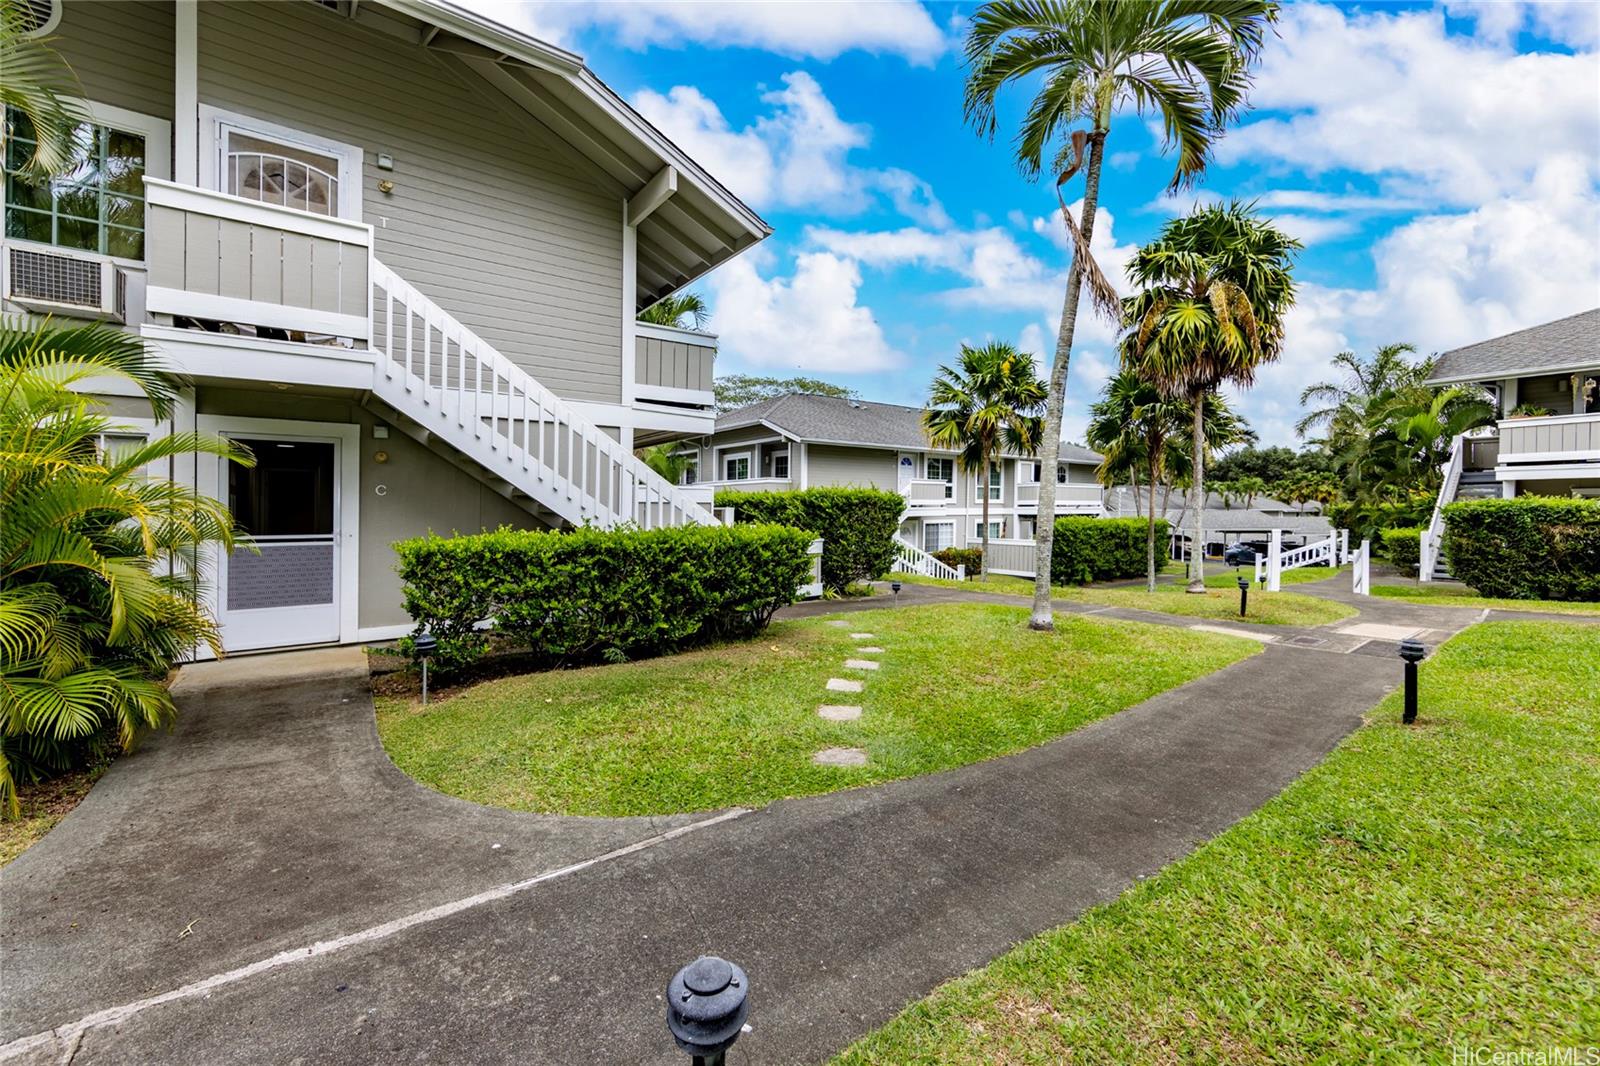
57	279
37	17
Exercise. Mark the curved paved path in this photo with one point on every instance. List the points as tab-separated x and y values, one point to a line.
270	820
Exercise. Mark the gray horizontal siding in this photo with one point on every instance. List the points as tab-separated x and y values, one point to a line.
673	364
827	464
499	226
120	52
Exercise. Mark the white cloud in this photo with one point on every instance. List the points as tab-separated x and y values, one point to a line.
1568	22
1312	229
797	155
792	28
809	321
1448	118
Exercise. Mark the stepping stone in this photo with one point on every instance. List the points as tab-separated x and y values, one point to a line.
840	757
1378	632
860	664
839	684
860	636
840	622
834	712
869	650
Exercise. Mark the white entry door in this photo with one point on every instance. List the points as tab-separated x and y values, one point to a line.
286	590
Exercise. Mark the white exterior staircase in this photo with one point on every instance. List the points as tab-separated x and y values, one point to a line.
452	388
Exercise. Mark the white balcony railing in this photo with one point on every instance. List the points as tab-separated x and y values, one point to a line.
1550	439
753	484
923	493
673	366
1069	497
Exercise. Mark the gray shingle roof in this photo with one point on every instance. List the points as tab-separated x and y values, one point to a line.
1567	343
838	421
1220	519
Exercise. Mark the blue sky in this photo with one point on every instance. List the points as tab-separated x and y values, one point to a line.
1441	163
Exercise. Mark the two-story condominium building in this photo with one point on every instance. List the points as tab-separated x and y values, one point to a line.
801	441
399	250
1546	384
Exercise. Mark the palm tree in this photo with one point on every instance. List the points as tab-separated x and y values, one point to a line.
990	402
1214	288
1346	404
96	599
667	460
38	85
682	310
1186	61
1137	419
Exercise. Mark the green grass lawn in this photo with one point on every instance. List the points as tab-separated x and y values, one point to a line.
1218	576
1423	888
737	724
1456	596
1000	583
1272	608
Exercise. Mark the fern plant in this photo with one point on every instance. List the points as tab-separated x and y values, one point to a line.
99	582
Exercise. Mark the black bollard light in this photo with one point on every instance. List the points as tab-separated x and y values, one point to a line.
1412	652
707	1003
894	587
426	644
1244	594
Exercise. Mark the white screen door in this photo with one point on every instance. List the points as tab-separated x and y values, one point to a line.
287	591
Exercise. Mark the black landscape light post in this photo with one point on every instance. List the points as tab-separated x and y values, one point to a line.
707	1002
1412	652
1244	594
894	587
426	644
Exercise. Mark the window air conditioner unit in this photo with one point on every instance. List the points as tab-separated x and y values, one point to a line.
58	281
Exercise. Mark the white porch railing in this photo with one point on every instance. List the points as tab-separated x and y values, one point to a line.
1012	557
1433	536
1361	570
456	386
910	559
1326	552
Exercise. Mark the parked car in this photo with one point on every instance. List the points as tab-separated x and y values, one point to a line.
1244	552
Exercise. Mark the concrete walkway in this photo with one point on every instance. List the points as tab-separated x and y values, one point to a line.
205	870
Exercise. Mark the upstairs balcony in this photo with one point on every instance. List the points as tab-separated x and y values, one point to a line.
1071	498
1548	446
929	493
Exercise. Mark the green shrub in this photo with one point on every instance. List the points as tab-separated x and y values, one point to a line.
971	558
592	594
1531	547
1097	549
1402	547
857	526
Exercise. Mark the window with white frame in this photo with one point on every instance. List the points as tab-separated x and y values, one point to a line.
943	470
937	536
780	465
94	204
274	164
690	472
994	481
997	530
736	468
1028	473
1061	473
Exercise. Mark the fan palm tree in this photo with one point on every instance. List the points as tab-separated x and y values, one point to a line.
989	403
1214	288
667	460
682	310
1185	61
39	86
96	597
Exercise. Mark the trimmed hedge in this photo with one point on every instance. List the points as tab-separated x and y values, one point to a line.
1098	549
1528	548
1402	547
971	558
857	526
593	594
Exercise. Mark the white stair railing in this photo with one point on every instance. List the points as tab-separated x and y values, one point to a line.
1433	536
1361	569
458	387
910	559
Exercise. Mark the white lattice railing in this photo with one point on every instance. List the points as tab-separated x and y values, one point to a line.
456	386
910	559
1322	552
1433	536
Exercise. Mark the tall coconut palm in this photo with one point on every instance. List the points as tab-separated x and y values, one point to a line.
683	310
1185	61
986	405
95	603
37	84
1136	419
1215	286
